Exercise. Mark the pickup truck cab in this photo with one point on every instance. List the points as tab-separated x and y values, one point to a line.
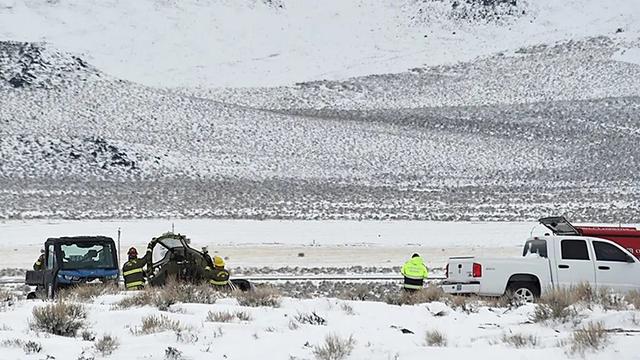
563	258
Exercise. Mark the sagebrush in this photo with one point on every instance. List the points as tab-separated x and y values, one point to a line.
158	323
261	296
435	338
172	293
334	347
59	318
106	345
88	292
520	340
592	337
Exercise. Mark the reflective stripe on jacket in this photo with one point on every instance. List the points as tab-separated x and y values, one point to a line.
218	276
414	272
133	273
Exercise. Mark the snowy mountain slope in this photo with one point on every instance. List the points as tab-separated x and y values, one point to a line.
266	43
583	69
74	144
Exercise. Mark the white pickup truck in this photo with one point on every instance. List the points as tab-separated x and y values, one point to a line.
566	257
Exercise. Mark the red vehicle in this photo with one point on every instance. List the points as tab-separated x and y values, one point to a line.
628	237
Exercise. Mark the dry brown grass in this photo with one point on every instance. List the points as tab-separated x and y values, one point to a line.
592	337
558	305
520	341
261	296
633	298
334	348
170	294
158	323
88	292
435	338
228	316
429	294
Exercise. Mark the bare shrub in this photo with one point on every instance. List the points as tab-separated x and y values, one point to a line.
243	315
261	296
293	325
348	309
429	294
172	293
59	318
187	336
88	292
7	299
334	348
106	345
29	347
310	318
228	316
171	353
504	301
360	292
583	292
464	303
155	324
220	316
175	291
633	298
557	305
87	335
520	340
141	298
610	300
435	338
592	337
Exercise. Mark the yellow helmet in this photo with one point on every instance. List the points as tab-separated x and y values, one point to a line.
218	261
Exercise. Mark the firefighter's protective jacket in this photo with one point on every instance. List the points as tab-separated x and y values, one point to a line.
133	272
39	264
217	276
414	272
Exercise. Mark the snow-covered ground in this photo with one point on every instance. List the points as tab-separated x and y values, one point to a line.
273	243
274	333
279	243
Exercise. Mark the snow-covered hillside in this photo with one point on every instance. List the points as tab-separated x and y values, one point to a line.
517	110
221	43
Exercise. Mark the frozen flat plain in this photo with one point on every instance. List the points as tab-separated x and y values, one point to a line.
275	243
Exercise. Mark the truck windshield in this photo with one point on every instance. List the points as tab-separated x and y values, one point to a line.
86	256
535	246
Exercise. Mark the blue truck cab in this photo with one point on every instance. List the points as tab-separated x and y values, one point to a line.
74	261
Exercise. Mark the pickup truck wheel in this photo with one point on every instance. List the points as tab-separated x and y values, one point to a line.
523	292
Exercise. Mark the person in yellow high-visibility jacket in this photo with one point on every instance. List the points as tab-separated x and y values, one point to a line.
414	272
132	270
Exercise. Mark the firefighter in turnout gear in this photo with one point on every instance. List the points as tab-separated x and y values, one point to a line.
414	272
218	276
39	264
132	270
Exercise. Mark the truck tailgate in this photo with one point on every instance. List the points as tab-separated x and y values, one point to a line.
460	269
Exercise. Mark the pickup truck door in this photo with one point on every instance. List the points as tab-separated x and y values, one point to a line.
615	268
574	264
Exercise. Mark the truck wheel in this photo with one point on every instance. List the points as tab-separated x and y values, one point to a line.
523	292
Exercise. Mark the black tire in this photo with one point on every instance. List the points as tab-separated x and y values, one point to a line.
524	292
242	284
